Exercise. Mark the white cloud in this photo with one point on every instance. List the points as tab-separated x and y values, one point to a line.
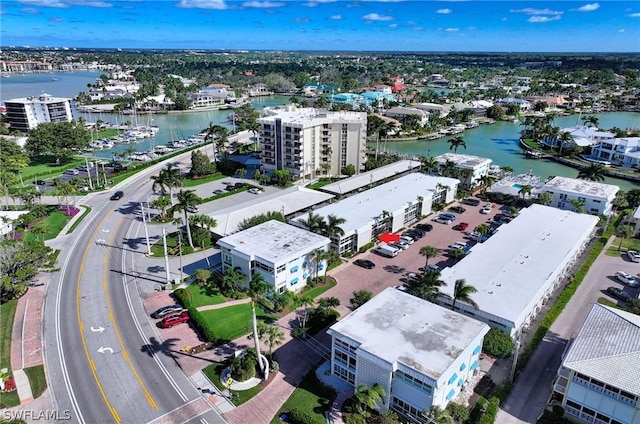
444	11
620	30
504	19
376	17
46	3
532	11
543	19
30	11
589	7
393	26
262	4
203	4
452	29
336	17
635	15
314	3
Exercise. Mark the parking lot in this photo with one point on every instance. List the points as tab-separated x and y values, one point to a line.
390	272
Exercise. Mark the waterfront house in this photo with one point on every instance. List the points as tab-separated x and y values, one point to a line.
314	89
599	378
400	112
475	166
421	354
624	152
596	198
280	252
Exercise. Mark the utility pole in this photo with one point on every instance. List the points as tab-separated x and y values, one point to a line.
516	350
86	161
146	231
166	256
180	245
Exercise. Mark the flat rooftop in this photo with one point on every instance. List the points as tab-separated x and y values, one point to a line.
468	161
274	241
510	268
310	116
41	98
574	185
367	206
288	201
607	348
399	327
363	179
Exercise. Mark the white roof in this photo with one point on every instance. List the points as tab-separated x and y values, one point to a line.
287	201
466	161
367	206
310	116
274	242
363	179
586	187
607	348
399	327
510	268
42	98
12	215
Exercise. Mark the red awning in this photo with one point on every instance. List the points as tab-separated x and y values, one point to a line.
389	238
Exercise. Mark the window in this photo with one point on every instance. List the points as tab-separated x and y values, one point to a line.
295	281
344	346
294	269
477	350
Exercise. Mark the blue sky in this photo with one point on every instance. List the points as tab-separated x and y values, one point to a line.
393	25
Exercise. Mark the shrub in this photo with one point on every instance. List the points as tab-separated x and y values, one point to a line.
297	416
490	412
244	367
366	247
354	419
458	412
498	343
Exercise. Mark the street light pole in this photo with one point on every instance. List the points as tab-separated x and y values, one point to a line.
166	256
515	357
146	231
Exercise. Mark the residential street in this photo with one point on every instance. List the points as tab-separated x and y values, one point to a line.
533	387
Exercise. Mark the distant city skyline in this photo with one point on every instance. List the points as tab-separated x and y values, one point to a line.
382	25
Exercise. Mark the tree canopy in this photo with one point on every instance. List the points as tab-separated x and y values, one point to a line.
61	139
19	263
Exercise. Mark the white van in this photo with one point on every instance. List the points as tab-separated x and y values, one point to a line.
386	250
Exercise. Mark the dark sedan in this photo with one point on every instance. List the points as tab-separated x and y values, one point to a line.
364	263
619	294
166	311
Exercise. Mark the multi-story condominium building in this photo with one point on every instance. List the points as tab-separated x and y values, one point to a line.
595	198
308	142
620	151
278	251
517	269
420	353
387	207
399	112
599	378
27	113
472	168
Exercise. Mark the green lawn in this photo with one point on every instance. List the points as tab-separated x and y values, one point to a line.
37	380
233	322
214	371
321	183
7	312
320	289
627	244
203	296
55	223
45	167
190	182
83	214
310	396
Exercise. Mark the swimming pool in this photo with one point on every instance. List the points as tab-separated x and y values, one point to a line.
517	186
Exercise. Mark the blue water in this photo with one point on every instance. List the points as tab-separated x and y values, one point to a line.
517	186
498	141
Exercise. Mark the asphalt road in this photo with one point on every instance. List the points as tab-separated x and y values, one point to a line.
103	357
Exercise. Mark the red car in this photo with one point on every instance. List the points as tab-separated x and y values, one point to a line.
172	320
461	226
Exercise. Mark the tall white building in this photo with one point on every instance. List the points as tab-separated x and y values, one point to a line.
278	251
597	197
420	353
599	378
27	113
309	142
472	168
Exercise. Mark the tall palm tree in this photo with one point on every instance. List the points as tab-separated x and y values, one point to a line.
368	397
591	120
271	335
525	190
314	222
303	302
428	252
427	285
623	232
456	143
578	205
594	172
162	203
487	181
186	200
482	229
332	227
429	164
565	138
462	292
317	256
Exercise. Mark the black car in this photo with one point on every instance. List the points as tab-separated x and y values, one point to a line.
117	195
618	293
457	209
414	234
40	182
192	209
471	202
364	263
218	191
425	227
165	311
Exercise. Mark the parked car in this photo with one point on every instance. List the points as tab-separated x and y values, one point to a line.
172	320
459	245
471	201
442	220
461	226
486	209
365	263
627	279
414	234
449	216
166	311
72	171
425	227
254	191
40	182
386	250
401	287
117	195
402	245
457	209
429	267
619	294
407	239
218	191
478	237
633	255
192	209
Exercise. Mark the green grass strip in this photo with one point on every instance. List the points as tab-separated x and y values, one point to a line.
191	182
213	373
77	222
37	380
7	313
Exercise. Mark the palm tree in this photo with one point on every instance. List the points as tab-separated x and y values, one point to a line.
332	227
64	189
167	179
271	335
40	229
211	134
368	397
545	198
314	222
456	143
317	256
428	252
486	181
578	205
162	203
482	229
624	232
507	170
186	200
439	416
591	120
231	280
525	190
303	302
462	292
429	165
594	172
427	285
565	138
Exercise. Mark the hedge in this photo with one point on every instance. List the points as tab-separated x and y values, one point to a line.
366	247
490	412
198	320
